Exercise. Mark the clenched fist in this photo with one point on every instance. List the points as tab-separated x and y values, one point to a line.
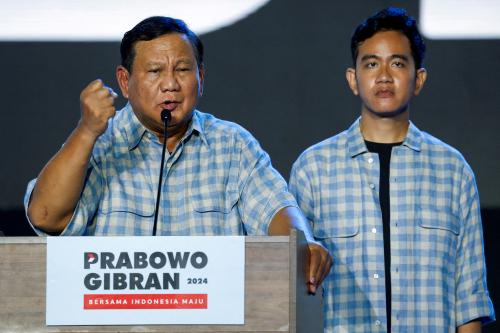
96	106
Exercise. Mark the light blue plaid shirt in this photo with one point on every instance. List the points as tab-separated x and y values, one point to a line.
438	274
218	181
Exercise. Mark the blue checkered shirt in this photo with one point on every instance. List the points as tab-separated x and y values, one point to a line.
217	181
438	274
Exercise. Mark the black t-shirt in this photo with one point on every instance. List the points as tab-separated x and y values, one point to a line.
384	151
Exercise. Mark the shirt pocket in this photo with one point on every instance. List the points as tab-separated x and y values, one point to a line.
213	199
438	219
339	234
436	240
126	207
336	225
128	196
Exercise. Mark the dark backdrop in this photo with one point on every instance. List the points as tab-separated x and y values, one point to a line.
280	74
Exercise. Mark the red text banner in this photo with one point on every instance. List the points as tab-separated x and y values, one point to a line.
144	301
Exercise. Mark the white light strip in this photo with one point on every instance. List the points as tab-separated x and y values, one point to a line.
460	19
108	20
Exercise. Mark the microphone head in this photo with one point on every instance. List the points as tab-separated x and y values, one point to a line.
165	115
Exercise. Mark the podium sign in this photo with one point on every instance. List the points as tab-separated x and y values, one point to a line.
145	280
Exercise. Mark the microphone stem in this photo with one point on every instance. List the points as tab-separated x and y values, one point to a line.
161	175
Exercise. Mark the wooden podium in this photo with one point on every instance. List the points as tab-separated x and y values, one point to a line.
276	298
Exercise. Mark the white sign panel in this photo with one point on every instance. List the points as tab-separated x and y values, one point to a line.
145	280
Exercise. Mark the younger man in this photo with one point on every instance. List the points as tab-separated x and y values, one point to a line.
397	208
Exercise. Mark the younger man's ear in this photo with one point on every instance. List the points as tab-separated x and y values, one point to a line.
350	75
420	78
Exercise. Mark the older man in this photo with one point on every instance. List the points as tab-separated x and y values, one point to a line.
217	179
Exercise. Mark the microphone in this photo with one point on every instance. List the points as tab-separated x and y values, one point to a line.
166	116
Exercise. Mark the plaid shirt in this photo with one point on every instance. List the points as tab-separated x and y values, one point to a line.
217	181
438	274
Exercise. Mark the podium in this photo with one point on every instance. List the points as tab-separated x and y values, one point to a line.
276	298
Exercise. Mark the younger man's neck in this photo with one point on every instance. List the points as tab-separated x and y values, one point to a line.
384	129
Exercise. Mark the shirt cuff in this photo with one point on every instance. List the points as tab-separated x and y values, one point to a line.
476	306
275	204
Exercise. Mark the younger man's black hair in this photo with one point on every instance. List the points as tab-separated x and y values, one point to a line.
390	19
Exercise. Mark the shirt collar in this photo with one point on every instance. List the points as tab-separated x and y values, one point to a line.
197	125
356	143
135	130
413	138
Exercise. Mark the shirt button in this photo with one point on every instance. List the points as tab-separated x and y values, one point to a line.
370	160
377	322
372	186
374	230
375	276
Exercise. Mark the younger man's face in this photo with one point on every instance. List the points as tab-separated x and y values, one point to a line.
385	77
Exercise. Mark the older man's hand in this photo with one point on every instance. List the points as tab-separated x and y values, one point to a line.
320	262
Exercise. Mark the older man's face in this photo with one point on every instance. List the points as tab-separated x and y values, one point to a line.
164	75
